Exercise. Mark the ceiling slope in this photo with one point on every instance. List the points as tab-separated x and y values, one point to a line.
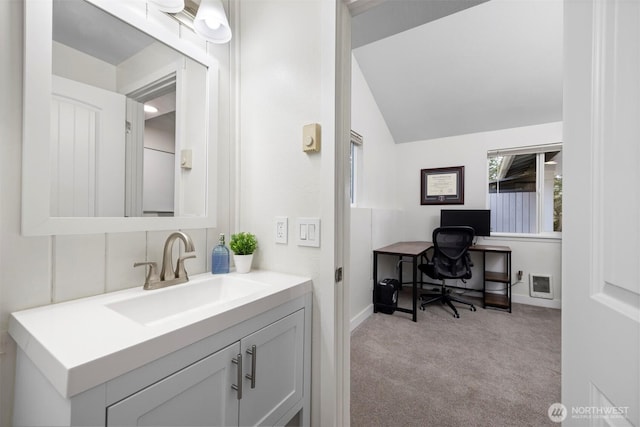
493	66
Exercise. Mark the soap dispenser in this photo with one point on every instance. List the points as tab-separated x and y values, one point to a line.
220	257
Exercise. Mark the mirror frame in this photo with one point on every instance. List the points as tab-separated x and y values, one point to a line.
36	219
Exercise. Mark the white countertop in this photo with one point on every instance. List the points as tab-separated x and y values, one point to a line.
83	343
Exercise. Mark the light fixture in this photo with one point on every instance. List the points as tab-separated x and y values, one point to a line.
169	6
150	109
211	22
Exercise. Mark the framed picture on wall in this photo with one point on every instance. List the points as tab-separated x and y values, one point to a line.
442	186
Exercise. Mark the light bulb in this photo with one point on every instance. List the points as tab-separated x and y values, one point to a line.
212	23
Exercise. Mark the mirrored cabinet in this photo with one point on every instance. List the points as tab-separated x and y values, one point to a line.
120	125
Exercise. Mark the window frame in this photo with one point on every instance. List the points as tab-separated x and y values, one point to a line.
355	160
540	151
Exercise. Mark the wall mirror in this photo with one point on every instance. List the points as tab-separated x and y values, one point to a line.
120	128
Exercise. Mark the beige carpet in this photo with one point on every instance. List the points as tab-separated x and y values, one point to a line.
487	368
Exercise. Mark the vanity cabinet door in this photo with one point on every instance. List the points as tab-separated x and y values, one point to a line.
278	356
198	395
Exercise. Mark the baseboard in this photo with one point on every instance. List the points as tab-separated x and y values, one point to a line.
540	302
519	299
361	317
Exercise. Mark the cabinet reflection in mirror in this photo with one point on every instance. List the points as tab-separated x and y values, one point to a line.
128	96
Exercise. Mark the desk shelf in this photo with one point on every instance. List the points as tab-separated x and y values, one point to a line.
497	301
500	298
493	276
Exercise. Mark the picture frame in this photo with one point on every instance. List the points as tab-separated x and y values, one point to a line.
442	186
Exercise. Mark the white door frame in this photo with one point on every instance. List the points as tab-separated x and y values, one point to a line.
343	213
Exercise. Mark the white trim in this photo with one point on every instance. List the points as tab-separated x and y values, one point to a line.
361	317
530	149
538	302
525	237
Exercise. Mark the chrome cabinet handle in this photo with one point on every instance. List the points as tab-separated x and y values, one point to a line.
238	387
252	376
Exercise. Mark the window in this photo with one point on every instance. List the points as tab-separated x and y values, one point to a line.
525	189
355	159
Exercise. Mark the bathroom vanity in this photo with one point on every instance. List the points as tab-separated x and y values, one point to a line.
216	351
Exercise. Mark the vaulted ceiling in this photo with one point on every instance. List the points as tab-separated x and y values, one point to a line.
440	68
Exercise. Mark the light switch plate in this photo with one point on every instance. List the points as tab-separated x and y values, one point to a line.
307	232
311	138
282	229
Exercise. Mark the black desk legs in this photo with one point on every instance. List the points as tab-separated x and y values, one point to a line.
375	279
414	311
415	289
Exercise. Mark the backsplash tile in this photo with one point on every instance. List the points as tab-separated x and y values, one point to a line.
198	264
26	280
155	246
78	266
123	250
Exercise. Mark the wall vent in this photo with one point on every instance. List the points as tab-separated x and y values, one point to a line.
540	286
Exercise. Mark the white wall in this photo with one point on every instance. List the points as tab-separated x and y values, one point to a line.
80	67
390	209
539	256
391	175
286	80
375	222
43	270
380	185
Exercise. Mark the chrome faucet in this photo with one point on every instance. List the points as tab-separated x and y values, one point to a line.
168	276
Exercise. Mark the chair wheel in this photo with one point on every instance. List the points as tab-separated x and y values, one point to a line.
422	308
472	308
457	316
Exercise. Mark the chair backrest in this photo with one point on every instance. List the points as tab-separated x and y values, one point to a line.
451	246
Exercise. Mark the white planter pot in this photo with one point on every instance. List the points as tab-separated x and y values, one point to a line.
243	263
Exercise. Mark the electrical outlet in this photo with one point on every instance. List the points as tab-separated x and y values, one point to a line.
519	275
282	229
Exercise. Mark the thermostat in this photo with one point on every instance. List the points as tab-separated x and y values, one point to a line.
311	138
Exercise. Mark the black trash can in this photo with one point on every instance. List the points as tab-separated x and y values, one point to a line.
387	294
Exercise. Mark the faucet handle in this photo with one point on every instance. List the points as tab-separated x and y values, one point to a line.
152	273
180	270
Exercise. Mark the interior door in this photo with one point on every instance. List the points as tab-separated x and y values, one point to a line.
87	150
601	224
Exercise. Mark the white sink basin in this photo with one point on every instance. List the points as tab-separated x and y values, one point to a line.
163	304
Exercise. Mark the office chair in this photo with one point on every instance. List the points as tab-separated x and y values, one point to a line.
450	260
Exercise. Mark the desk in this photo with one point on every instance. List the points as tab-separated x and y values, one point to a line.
414	250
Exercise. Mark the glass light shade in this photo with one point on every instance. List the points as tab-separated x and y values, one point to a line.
211	22
169	6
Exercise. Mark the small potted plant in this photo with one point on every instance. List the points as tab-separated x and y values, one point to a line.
243	245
